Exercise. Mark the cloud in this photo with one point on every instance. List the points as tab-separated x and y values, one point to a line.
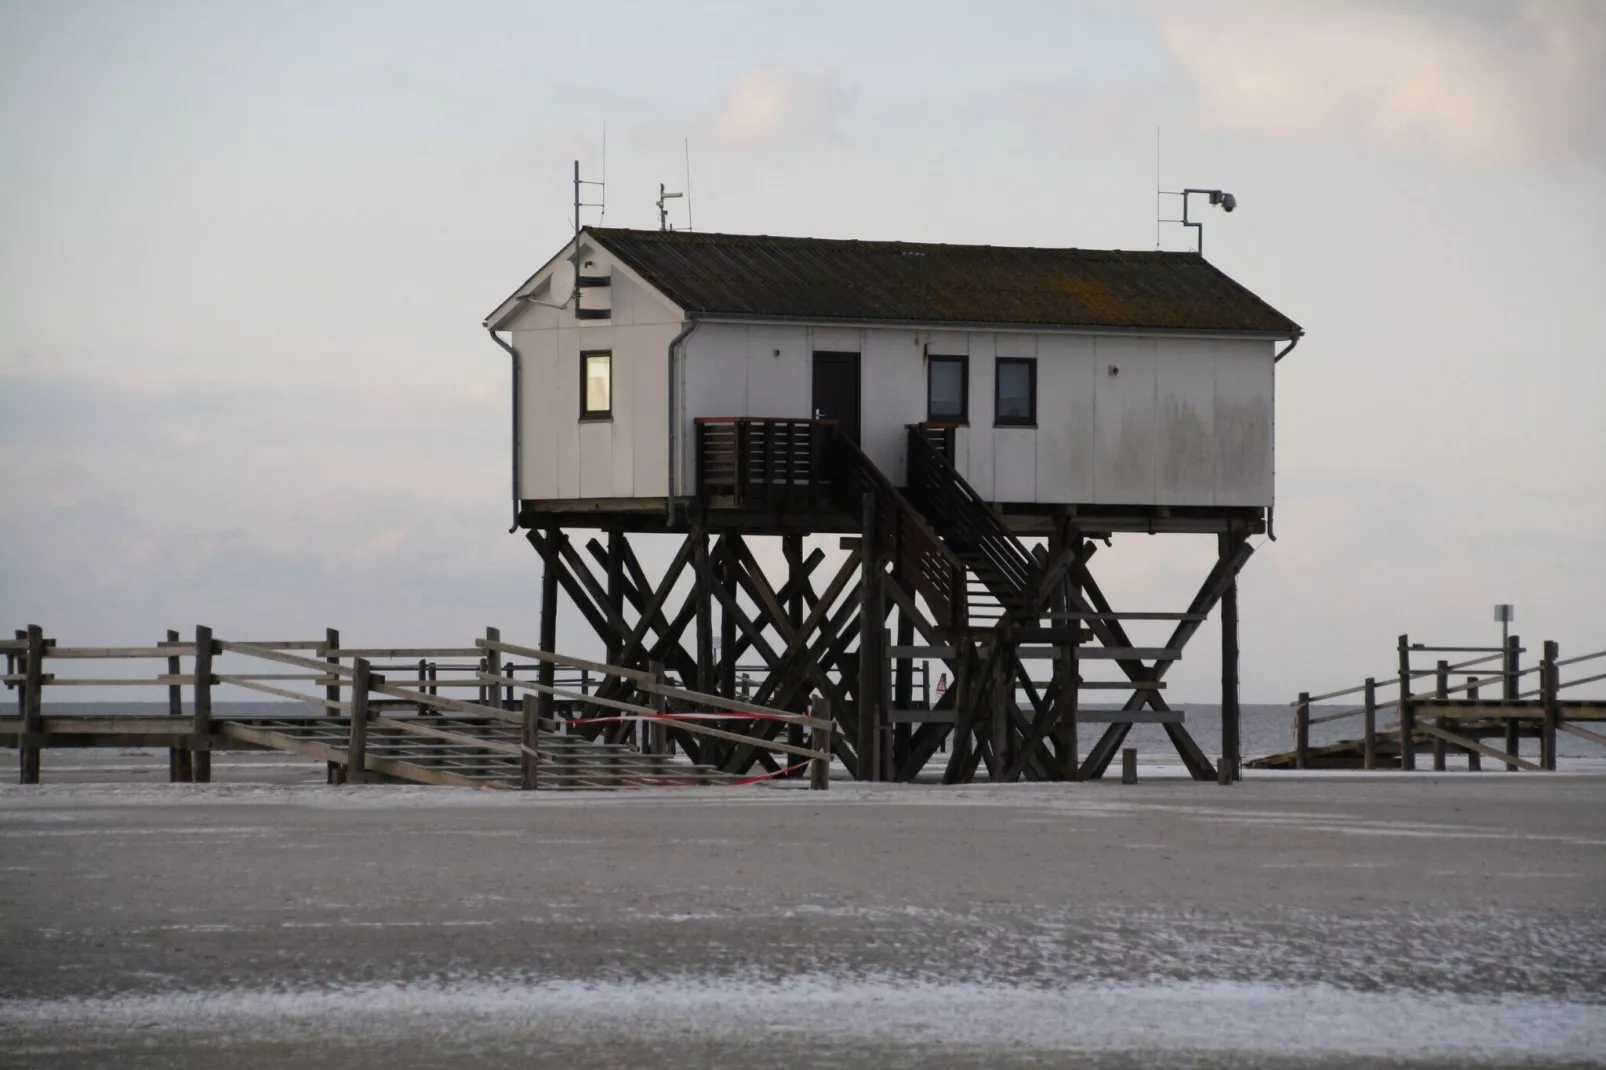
768	106
1487	82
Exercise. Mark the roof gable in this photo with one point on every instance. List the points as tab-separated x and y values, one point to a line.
760	276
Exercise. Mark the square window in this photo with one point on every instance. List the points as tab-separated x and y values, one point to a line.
1015	398
596	385
948	388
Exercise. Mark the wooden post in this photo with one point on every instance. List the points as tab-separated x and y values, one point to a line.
1407	711
1550	681
792	550
179	769
1227	545
201	745
549	622
529	746
1474	758
903	695
657	735
820	740
33	705
1441	690
357	740
1224	771
726	569
331	691
1509	691
493	667
1302	731
1129	765
423	683
1369	731
1066	669
870	621
616	591
434	689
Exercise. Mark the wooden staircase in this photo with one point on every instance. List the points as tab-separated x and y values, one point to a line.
1002	576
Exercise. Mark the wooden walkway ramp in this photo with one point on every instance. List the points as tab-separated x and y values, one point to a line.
634	729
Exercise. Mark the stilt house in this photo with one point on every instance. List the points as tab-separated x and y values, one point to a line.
943	402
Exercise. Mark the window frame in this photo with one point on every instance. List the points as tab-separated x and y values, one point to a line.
588	414
963	360
1030	419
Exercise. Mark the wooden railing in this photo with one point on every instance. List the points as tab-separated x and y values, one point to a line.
968	522
764	463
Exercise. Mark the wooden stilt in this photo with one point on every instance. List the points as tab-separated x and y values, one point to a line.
1474	759
1407	708
201	744
1302	731
1230	744
1441	690
33	715
870	626
1550	681
1509	690
331	692
529	745
357	740
549	623
1369	727
179	768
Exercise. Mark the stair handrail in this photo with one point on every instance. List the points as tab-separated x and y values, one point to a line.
901	532
934	480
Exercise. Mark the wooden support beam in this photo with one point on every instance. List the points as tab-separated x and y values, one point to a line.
179	768
870	626
1550	684
331	693
1230	710
548	638
1369	726
1437	733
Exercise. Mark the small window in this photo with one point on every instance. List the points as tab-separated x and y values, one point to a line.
948	388
1016	394
596	386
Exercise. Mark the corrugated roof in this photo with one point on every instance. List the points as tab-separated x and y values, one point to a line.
816	278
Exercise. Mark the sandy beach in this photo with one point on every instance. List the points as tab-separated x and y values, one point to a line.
1355	921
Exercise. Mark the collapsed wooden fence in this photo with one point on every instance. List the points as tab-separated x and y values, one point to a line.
1452	717
369	723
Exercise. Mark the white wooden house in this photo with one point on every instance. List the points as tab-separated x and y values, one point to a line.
1075	378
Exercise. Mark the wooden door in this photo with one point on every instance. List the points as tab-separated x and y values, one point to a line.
836	390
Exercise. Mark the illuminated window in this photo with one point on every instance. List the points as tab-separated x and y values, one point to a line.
596	386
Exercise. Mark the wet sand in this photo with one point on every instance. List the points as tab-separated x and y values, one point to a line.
1288	921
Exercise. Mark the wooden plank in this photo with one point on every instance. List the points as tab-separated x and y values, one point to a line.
1581	733
406	652
413	728
251	684
920	652
1127	653
1472	744
88	652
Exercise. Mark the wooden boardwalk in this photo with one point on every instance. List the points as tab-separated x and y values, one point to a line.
622	727
1453	717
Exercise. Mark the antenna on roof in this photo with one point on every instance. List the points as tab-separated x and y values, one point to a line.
1221	198
574	254
688	184
663	211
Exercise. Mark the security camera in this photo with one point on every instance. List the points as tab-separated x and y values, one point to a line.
1228	202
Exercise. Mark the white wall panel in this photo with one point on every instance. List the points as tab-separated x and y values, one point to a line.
893	396
596	459
1015	464
1124	421
778	371
979	456
1244	423
1065	433
538	427
1185	387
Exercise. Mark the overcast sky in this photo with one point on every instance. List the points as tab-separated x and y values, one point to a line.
245	250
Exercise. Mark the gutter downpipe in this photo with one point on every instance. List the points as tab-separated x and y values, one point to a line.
1271	511
514	353
692	323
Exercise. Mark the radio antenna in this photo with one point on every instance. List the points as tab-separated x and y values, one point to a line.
688	183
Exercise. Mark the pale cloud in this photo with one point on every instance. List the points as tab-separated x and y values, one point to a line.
768	106
1490	83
